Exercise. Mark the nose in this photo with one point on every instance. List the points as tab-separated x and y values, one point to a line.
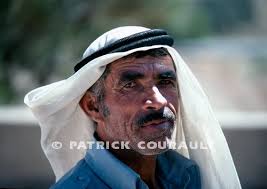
154	99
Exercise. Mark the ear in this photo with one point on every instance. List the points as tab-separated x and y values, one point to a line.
90	106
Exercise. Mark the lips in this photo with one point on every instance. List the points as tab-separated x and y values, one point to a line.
159	126
154	123
156	130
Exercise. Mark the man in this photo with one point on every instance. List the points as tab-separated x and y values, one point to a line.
135	100
132	86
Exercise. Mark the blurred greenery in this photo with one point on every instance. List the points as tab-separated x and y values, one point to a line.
40	41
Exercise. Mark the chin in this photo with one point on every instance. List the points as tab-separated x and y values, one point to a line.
149	152
153	146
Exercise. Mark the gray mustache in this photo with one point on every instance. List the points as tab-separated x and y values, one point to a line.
164	114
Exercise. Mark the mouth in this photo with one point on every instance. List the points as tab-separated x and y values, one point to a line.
158	126
154	123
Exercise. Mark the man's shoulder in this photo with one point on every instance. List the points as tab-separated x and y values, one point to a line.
80	176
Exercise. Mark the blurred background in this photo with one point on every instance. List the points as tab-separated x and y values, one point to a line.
224	42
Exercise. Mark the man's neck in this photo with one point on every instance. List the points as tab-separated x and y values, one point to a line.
144	165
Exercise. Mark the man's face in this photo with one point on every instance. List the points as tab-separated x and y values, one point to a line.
141	95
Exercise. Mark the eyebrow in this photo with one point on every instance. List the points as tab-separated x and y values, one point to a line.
167	75
130	76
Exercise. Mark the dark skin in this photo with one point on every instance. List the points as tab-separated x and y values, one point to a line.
134	87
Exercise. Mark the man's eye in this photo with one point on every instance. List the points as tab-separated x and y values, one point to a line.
166	82
129	85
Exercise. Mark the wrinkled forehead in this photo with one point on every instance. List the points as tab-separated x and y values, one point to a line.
144	68
147	61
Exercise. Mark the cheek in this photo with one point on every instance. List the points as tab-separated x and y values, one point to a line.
121	111
119	102
128	103
126	97
174	100
172	96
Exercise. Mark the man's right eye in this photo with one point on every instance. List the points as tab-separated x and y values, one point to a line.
129	85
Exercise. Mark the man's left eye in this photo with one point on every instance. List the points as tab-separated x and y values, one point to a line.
165	82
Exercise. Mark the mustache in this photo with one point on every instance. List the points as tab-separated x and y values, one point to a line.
164	114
